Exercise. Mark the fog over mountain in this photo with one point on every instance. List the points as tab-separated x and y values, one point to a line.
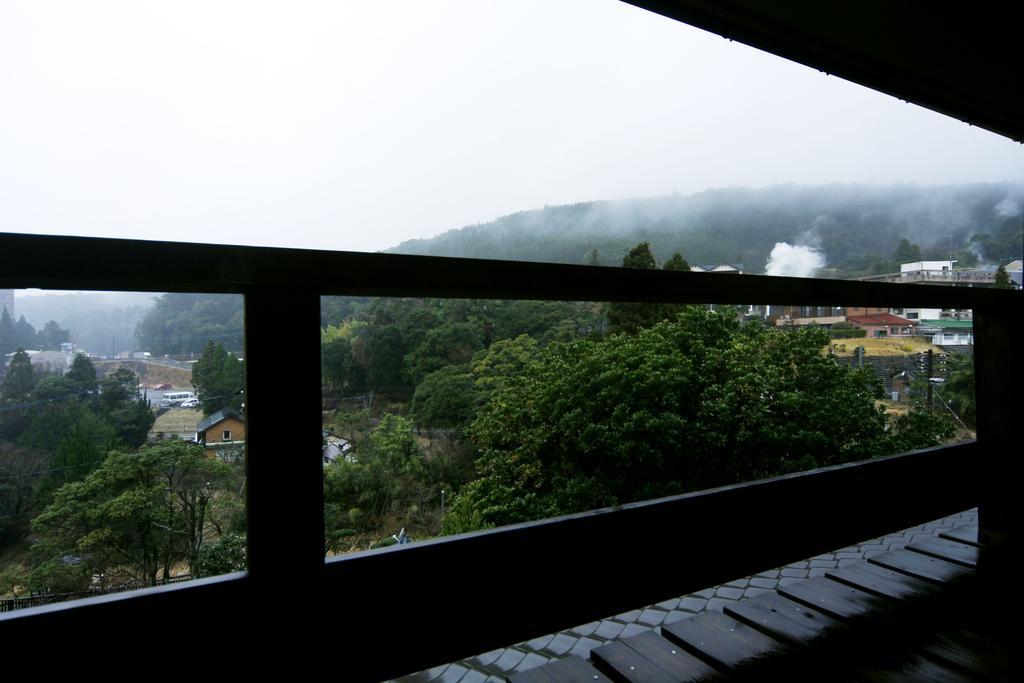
850	228
98	321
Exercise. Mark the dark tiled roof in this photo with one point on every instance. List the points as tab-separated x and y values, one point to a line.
219	416
496	665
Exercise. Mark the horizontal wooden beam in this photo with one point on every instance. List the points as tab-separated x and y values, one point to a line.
399	609
493	588
109	264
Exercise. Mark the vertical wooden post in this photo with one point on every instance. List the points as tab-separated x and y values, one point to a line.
997	367
283	442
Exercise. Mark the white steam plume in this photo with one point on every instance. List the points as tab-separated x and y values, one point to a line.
794	261
1008	208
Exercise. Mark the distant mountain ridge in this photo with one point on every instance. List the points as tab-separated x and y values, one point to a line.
851	225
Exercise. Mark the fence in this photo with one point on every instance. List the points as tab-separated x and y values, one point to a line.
473	592
38	599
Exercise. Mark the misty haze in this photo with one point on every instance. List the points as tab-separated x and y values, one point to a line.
360	126
825	231
581	132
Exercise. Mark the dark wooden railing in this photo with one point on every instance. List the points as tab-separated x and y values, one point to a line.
383	613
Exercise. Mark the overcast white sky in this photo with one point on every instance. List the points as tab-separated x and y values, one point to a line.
356	125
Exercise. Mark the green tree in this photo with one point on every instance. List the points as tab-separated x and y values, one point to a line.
219	379
1003	279
535	318
75	438
639	256
125	408
334	309
20	472
919	428
20	380
50	424
449	344
906	253
137	513
502	360
383	476
13	579
54	388
223	557
385	353
335	362
82	374
81	449
685	405
1002	241
14	391
677	262
77	431
959	390
418	318
52	336
24	334
446	398
182	323
8	335
626	317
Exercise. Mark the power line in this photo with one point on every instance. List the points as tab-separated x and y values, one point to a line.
51	470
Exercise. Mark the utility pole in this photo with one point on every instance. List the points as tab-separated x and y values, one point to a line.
931	373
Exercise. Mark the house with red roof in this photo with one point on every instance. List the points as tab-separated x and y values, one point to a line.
883	324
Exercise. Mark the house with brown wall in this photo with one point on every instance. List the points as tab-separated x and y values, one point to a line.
222	435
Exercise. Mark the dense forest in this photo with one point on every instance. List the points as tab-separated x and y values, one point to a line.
528	409
855	227
460	414
183	324
21	334
85	504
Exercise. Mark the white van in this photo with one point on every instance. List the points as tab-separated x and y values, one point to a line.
173	399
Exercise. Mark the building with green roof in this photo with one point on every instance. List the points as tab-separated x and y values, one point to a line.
948	332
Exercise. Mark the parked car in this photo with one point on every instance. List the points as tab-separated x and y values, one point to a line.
191	403
162	387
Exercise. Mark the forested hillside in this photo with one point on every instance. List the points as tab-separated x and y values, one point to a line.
528	409
856	227
185	323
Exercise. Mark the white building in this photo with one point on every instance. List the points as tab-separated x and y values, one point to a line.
946	332
939	266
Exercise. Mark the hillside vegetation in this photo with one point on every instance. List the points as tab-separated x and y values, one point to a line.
884	346
856	227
